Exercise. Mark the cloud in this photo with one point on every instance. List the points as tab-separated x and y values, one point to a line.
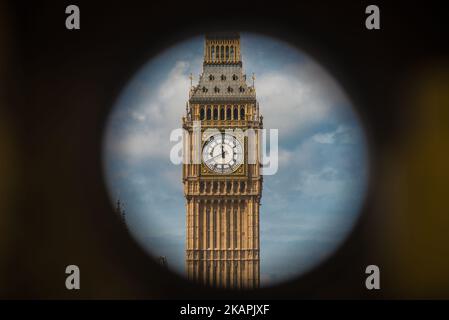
298	97
324	137
138	116
321	184
148	124
343	134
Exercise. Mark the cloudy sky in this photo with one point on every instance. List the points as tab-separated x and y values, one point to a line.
308	206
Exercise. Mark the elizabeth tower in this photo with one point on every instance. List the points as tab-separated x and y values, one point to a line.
223	187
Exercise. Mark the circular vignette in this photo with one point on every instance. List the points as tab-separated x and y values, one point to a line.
308	207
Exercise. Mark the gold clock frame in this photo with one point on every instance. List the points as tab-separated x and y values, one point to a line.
240	171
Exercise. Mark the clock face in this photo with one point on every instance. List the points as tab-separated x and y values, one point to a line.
222	153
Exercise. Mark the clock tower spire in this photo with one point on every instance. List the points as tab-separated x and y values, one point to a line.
224	189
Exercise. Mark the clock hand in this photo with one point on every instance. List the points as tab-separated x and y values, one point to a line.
218	155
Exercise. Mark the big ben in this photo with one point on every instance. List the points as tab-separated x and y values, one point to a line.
223	187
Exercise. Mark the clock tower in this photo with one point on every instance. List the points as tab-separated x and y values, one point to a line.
223	187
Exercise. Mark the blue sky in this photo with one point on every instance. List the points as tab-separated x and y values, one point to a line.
308	207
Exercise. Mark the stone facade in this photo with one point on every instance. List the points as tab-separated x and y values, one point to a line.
222	223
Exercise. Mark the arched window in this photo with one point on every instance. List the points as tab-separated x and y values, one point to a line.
222	113
215	113
241	89
227	53
204	89
222	53
201	186
216	89
228	113
232	53
236	113
234	77
202	113
223	77
208	116
217	52
242	113
242	186
211	77
230	89
212	49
